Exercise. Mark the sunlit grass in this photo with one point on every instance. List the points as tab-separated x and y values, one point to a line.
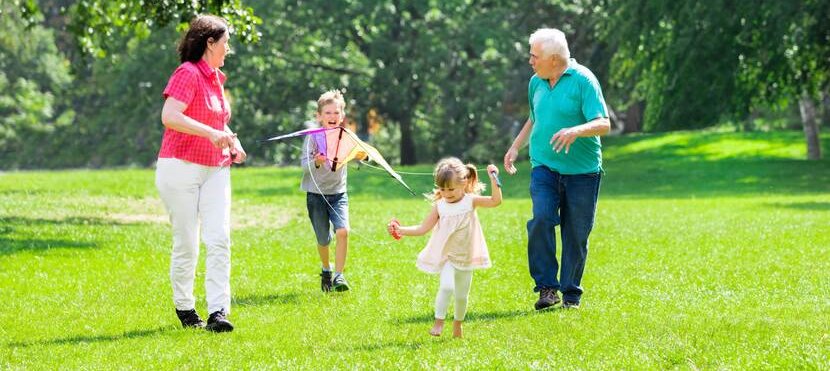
702	257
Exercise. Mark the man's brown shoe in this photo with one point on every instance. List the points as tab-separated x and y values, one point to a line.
547	298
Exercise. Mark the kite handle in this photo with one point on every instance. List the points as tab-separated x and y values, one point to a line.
394	223
496	177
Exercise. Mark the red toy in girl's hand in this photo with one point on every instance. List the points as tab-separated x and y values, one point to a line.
393	229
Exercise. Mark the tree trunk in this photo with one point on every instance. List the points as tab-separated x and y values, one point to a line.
407	143
749	124
810	121
825	105
634	118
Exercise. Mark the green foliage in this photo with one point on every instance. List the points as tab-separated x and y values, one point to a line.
96	22
422	63
695	63
708	252
33	80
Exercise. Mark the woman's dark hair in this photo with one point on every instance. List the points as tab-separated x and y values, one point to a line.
202	28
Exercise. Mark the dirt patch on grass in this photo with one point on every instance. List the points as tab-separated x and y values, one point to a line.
243	214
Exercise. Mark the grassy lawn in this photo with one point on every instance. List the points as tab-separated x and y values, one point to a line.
709	251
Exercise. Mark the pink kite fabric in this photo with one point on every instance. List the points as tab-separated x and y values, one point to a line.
341	145
457	239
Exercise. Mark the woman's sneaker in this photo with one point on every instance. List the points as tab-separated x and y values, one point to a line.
325	281
218	323
340	283
190	319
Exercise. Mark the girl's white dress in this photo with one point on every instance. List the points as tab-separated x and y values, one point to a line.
457	238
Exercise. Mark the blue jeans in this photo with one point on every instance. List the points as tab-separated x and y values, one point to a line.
325	212
569	201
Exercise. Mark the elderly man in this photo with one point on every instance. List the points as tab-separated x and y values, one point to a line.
567	116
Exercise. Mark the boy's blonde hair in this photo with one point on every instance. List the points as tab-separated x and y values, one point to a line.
329	97
450	171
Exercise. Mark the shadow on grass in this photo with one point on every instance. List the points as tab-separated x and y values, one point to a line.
471	317
819	206
75	340
402	345
8	221
255	300
9	244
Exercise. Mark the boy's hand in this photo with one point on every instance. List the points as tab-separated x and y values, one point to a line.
394	229
319	159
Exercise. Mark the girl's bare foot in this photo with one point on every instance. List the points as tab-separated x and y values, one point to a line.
437	328
456	329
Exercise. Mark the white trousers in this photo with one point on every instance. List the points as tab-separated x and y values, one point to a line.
198	196
454	282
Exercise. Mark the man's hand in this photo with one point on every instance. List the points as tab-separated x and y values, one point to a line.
563	139
509	159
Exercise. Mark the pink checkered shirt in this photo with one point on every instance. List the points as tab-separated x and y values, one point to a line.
200	87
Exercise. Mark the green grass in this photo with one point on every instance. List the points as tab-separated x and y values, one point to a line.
709	251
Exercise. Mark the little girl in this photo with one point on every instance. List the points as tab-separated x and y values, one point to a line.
457	245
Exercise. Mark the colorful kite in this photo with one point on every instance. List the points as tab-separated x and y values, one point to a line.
341	145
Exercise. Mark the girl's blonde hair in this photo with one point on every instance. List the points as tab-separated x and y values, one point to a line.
329	97
451	171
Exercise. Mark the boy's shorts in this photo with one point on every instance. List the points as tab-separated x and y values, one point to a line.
325	211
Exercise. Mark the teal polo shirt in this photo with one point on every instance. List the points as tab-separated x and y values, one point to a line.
575	100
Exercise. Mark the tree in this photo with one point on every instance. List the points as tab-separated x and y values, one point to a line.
436	69
33	77
694	63
787	58
95	22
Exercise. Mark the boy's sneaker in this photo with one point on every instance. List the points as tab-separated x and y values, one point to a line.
325	281
340	283
218	323
570	305
547	298
190	319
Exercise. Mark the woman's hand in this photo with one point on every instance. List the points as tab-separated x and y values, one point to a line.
222	139
238	154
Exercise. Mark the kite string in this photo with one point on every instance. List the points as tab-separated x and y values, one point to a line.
411	173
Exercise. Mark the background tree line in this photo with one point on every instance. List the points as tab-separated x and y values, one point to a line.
81	81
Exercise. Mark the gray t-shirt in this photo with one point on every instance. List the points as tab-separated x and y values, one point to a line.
325	181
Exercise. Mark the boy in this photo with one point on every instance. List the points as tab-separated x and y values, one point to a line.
326	198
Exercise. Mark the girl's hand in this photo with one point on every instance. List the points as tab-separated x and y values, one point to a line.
492	169
394	229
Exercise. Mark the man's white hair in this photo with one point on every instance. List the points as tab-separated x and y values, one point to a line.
552	42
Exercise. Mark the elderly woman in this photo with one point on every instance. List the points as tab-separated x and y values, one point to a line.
193	171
